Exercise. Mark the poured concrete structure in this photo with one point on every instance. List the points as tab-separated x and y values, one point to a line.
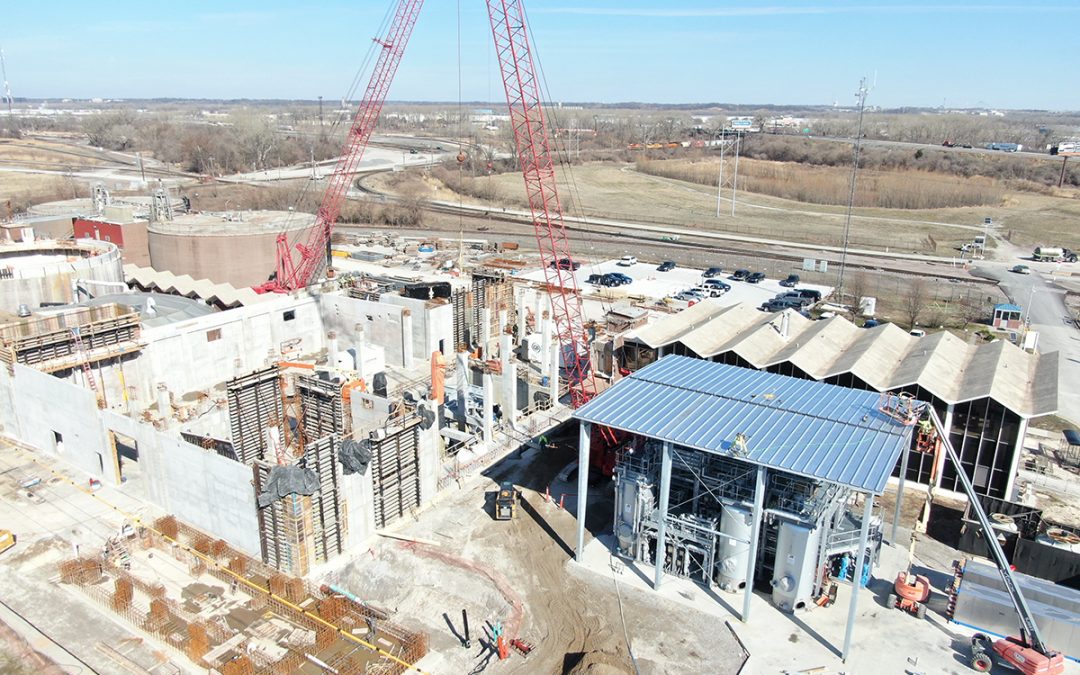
238	248
47	272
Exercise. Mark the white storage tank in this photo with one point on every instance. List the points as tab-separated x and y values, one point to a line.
794	568
633	495
732	551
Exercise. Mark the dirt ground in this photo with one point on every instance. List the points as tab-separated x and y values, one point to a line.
518	574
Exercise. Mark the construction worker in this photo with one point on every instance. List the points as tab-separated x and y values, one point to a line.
926	425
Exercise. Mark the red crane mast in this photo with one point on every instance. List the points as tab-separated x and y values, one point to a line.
519	76
534	154
313	255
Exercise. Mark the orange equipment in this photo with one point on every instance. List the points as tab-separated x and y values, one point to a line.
910	593
438	377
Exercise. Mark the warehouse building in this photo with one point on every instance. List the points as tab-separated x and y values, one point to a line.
984	393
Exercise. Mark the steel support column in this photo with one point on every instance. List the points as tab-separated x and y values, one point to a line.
856	582
899	493
661	529
488	420
755	534
582	486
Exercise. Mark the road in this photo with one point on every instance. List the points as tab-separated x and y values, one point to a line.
1044	306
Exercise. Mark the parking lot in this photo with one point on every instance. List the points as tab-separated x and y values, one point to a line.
651	285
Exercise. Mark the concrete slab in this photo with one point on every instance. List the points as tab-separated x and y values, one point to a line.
885	640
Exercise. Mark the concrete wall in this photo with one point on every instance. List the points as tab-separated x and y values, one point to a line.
46	405
430	325
380	323
197	486
197	354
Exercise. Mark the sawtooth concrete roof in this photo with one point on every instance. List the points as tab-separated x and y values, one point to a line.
885	357
226	295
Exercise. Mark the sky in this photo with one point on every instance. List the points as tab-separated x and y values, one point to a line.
1006	55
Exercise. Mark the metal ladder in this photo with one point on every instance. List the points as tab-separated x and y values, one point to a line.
88	375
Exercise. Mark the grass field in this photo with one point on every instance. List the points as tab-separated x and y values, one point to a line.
618	191
24	189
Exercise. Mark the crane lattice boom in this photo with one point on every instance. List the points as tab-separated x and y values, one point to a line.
534	154
308	265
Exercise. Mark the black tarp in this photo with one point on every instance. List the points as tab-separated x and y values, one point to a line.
355	456
288	480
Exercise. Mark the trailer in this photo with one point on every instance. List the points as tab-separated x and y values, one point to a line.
1053	254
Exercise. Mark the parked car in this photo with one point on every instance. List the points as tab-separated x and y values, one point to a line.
716	283
1021	269
628	261
621	278
666	266
595	279
791	296
871	323
610	279
756	277
709	291
740	275
777	304
712	272
566	264
791	281
917	332
815	296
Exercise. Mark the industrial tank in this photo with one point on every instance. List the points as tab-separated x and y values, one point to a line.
633	497
238	248
732	551
793	570
47	272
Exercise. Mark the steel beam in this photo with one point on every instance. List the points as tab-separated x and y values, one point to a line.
582	486
856	581
755	535
665	493
900	493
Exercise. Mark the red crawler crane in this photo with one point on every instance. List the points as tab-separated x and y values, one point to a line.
312	255
534	154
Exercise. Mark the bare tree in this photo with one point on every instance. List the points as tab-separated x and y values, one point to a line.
914	301
858	285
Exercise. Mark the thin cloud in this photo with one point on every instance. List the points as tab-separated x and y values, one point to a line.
804	10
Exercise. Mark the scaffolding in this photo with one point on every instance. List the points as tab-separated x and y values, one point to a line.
255	405
68	340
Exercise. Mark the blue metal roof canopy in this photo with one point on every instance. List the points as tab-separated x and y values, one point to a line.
812	429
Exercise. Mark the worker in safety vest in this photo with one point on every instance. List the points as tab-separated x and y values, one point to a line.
926	425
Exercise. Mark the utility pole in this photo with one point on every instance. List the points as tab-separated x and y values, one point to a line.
861	97
735	178
720	179
7	88
320	112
